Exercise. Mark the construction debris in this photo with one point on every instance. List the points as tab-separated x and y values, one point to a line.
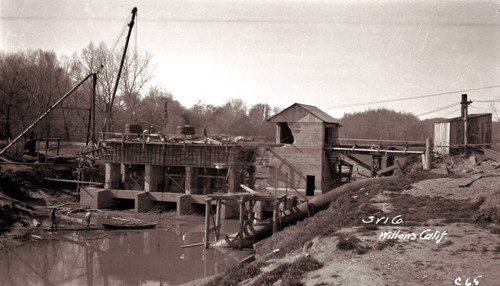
466	182
492	155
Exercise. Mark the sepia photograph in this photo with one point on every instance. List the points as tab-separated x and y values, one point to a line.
236	142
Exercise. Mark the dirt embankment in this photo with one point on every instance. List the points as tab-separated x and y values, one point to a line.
434	228
430	228
26	198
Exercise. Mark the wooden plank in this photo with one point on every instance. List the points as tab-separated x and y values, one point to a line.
387	170
247	189
492	155
72	181
208	213
195	244
465	182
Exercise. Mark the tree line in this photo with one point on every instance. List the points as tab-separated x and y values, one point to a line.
30	82
386	124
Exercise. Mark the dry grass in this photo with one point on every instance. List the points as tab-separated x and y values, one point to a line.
346	211
352	243
385	243
289	273
418	210
350	208
236	274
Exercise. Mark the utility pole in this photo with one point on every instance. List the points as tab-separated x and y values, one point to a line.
91	127
94	86
166	117
465	115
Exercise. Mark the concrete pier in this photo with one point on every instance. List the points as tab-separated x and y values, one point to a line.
112	177
190	180
153	178
141	172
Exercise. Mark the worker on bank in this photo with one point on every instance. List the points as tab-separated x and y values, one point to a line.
52	215
87	219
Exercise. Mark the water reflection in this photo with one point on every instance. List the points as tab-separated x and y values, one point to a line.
141	257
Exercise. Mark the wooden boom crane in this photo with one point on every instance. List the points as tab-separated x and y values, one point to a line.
92	108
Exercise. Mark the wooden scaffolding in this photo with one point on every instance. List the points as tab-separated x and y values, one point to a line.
246	203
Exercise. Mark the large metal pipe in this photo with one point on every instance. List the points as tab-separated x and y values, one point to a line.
300	212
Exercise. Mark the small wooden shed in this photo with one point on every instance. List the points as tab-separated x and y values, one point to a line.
449	133
302	164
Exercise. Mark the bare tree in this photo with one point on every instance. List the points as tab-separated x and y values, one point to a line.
13	88
137	72
48	82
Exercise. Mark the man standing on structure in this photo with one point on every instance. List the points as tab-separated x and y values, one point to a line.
52	215
87	219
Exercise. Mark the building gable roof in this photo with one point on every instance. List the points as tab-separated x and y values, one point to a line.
313	110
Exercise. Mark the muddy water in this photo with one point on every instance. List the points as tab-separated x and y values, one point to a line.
139	257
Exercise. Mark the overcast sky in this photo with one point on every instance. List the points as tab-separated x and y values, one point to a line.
336	55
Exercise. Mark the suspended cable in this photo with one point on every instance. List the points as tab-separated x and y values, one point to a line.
411	97
436	110
447	114
483	108
119	38
498	100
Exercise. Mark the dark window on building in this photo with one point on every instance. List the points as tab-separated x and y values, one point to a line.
328	136
286	135
310	185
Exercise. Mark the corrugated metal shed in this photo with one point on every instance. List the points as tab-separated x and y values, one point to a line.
449	133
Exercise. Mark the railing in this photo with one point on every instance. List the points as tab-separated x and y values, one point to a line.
379	142
379	145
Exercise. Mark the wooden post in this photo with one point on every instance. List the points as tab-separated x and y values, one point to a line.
46	149
400	168
465	116
143	140
38	147
275	216
286	190
123	147
275	180
217	220
428	154
251	177
242	218
208	206
58	145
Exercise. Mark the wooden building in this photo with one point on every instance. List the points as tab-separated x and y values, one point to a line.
449	133
303	163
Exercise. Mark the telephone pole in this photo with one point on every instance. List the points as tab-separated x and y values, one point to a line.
465	114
